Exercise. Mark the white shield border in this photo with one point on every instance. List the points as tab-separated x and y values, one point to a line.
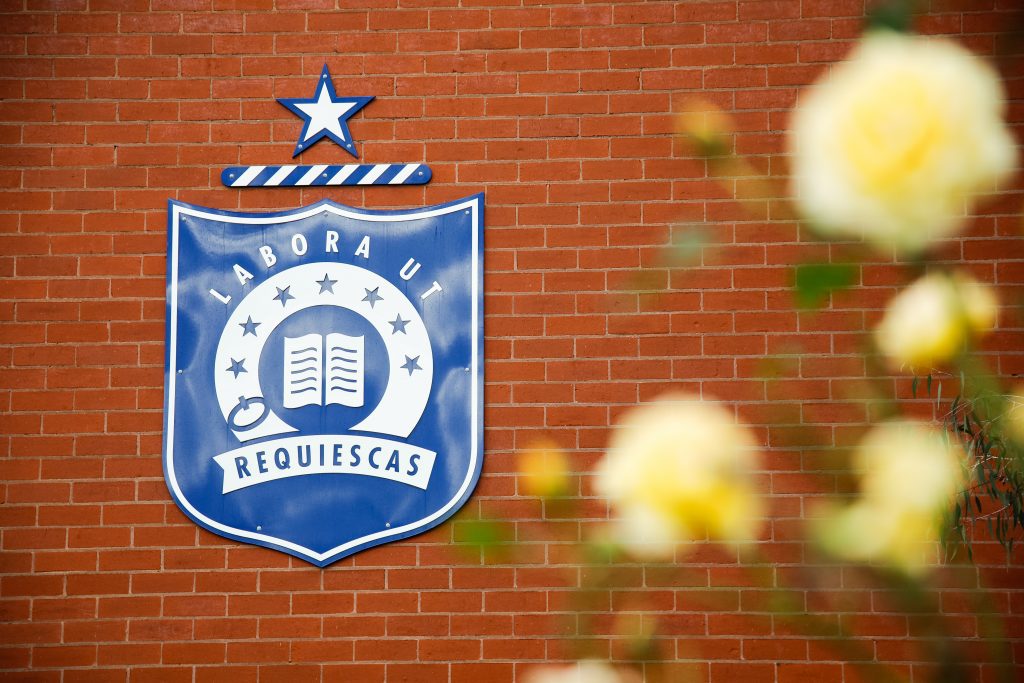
474	204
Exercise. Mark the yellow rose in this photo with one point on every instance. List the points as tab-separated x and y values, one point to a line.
895	143
931	321
588	671
910	474
679	469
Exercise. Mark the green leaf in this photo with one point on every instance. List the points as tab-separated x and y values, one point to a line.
815	281
687	248
894	15
483	533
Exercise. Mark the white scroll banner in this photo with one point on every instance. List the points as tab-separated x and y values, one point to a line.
326	454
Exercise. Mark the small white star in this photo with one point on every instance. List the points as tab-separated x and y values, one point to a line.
325	114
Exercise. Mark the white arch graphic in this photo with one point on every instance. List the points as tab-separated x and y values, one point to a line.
324	284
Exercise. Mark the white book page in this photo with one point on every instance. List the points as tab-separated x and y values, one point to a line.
344	364
303	371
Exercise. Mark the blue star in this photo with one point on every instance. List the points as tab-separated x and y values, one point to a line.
372	296
249	327
326	285
325	115
283	295
238	367
411	364
399	325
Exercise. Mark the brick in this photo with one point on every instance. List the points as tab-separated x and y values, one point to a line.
564	114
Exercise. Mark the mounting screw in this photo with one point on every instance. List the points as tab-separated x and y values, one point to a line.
231	175
180	371
388	525
259	527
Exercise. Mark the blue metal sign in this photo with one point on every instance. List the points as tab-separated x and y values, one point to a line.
325	174
324	376
325	115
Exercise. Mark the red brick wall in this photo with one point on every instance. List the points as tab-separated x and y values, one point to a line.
561	113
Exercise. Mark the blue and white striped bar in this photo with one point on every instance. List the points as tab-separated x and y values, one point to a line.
311	176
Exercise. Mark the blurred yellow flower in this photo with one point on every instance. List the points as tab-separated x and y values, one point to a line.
932	320
707	126
544	470
910	474
895	143
587	671
679	469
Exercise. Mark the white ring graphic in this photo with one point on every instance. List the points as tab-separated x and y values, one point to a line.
410	357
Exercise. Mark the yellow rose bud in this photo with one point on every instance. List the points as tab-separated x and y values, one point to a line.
931	321
707	126
679	469
979	303
545	471
896	141
1012	421
910	474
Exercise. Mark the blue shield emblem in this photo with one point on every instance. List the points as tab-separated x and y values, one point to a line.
324	372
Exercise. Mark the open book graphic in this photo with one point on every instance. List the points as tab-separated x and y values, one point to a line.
323	369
